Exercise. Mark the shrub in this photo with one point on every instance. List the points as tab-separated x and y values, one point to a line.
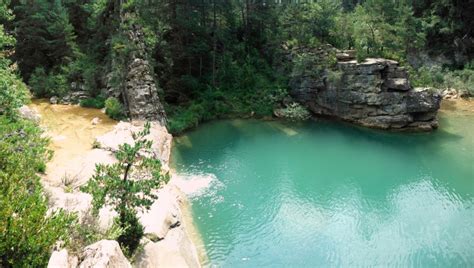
13	93
115	185
47	85
97	102
114	109
28	231
295	112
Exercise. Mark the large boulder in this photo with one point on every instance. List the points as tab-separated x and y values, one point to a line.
59	259
176	250
374	93
78	202
29	114
104	254
163	215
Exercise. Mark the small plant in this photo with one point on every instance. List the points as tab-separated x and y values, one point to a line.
294	112
114	109
95	144
87	232
69	183
97	102
128	186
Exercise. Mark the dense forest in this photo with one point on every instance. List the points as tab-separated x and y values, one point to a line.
221	58
210	59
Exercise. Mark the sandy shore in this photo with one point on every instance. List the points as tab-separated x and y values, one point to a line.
72	135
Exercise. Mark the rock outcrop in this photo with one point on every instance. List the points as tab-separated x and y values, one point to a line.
104	254
29	114
122	133
167	242
374	93
141	91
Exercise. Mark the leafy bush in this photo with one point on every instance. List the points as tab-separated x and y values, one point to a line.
114	109
13	93
115	185
437	77
97	102
295	112
28	231
47	85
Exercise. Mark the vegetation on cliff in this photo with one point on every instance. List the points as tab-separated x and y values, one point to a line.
223	58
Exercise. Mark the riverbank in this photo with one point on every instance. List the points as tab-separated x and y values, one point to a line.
74	131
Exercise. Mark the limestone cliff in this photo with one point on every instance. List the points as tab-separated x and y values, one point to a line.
374	93
140	90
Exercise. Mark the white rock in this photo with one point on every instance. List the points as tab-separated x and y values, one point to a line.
176	250
106	218
29	114
54	100
163	215
95	121
103	254
72	202
122	133
59	259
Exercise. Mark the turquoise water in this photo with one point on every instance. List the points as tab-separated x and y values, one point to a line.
330	194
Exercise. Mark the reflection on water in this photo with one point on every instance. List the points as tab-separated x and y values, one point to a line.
331	194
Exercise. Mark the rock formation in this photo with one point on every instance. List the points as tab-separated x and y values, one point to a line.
136	86
374	93
104	254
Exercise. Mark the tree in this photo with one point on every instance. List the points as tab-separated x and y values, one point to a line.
128	185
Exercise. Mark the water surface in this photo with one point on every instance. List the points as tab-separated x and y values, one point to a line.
330	194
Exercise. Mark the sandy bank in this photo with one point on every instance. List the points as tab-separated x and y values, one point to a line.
72	134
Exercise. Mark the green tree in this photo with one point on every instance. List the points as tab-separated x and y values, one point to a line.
128	185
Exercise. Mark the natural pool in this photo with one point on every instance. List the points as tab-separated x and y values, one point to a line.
330	194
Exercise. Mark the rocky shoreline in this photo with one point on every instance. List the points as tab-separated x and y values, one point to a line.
169	238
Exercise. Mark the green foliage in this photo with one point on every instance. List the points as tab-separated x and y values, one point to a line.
45	37
386	29
437	77
114	109
88	232
13	93
29	232
294	112
97	102
47	85
128	186
312	23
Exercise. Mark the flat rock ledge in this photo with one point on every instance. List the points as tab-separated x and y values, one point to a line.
374	93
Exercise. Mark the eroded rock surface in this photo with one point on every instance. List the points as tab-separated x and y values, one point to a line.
374	93
103	254
168	243
122	133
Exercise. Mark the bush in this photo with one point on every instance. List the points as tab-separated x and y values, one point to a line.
114	109
48	85
29	232
116	186
13	93
294	112
132	232
97	102
437	77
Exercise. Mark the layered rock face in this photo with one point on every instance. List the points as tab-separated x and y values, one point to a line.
374	93
140	90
